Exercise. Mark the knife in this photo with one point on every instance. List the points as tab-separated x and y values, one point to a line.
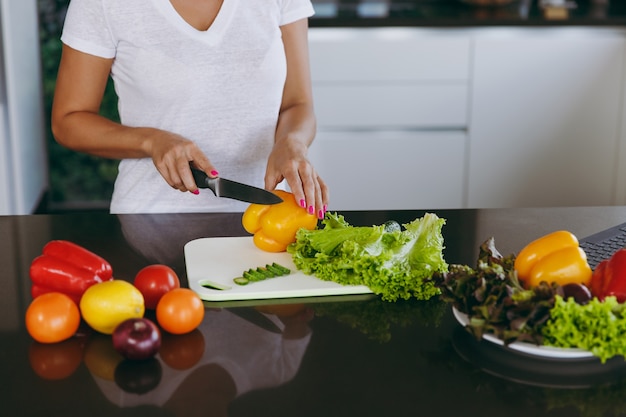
255	317
222	187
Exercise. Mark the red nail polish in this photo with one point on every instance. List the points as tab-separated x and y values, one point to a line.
215	173
311	209
320	214
302	203
196	192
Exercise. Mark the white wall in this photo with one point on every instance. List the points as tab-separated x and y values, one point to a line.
23	162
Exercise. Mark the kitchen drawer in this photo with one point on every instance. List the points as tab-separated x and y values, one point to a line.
388	54
414	105
381	170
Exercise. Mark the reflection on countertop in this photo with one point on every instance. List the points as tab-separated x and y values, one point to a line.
467	13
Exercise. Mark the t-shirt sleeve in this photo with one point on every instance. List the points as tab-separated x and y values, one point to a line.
292	10
86	29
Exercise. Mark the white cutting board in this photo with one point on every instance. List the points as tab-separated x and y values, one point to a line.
214	262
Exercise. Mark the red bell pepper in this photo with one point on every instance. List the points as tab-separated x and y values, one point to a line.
37	290
609	277
79	256
68	268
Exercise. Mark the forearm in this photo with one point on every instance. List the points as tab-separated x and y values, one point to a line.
91	133
296	127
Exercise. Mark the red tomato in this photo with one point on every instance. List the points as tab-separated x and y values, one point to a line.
155	280
52	317
180	311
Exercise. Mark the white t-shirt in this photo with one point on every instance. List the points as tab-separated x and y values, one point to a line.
221	88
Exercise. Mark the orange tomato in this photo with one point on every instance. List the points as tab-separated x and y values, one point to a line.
180	311
55	361
52	317
182	351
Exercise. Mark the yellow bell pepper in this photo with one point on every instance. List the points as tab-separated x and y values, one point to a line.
555	257
274	226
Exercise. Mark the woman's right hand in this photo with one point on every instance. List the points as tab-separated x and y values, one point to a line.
172	154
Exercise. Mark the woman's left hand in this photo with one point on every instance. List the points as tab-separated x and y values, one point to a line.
288	161
296	126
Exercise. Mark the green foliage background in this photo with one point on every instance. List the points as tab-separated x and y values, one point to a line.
76	179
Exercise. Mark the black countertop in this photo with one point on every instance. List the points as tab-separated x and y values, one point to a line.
457	13
335	356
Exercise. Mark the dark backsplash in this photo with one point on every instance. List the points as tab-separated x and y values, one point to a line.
460	13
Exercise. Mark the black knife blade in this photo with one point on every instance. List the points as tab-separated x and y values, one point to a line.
223	187
255	317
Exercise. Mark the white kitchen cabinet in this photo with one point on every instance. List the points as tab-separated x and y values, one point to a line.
546	114
372	170
406	78
499	117
391	106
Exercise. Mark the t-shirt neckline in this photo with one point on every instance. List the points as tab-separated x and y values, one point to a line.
213	33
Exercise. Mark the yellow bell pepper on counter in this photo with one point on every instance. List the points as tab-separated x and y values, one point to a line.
274	226
555	257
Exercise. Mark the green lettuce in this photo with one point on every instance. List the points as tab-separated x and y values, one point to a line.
493	298
598	326
392	262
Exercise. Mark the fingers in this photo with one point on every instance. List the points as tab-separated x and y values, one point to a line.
201	162
324	196
188	183
172	156
312	192
309	189
321	197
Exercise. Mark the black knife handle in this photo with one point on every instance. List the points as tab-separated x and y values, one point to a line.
203	180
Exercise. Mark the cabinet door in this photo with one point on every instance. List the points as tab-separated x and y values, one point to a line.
392	54
378	170
545	117
390	78
433	106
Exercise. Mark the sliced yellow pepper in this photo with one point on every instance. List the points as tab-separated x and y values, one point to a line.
555	257
275	226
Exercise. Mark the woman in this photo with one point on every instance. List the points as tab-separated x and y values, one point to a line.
221	84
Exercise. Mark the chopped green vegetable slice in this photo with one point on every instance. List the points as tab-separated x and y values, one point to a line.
262	273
